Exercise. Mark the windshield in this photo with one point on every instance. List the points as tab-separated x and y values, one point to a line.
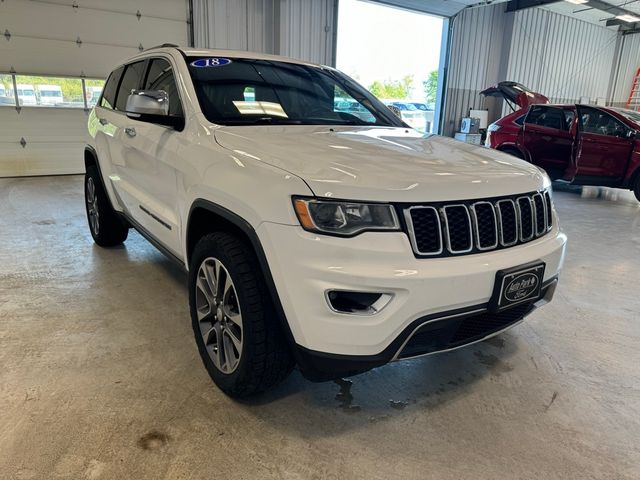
628	114
248	92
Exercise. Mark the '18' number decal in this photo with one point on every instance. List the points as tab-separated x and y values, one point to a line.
211	62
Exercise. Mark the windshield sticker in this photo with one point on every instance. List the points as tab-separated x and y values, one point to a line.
211	62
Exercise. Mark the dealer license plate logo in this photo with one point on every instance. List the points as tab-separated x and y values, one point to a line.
521	287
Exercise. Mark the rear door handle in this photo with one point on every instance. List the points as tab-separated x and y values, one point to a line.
130	131
103	121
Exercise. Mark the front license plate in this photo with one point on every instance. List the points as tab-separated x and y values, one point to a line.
517	285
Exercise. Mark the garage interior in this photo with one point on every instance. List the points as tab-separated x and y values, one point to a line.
100	377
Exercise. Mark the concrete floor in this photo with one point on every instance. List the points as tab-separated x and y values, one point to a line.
100	377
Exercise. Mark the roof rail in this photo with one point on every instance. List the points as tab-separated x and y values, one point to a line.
164	45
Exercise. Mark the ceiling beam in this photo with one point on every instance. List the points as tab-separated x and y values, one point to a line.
515	5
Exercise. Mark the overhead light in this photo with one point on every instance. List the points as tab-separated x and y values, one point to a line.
577	2
628	18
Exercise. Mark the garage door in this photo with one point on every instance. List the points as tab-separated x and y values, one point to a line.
53	58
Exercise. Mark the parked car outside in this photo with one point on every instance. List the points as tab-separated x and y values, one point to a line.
411	115
49	94
313	236
582	144
26	94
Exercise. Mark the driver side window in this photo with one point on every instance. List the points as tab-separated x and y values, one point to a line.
601	123
160	77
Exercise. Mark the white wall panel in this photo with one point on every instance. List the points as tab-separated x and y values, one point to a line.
562	57
302	29
54	37
235	24
477	48
55	141
628	64
44	35
308	30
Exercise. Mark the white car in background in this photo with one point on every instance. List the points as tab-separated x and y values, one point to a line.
49	94
26	94
313	235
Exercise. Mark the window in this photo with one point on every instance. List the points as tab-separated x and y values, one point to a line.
601	123
6	91
130	81
569	117
110	88
160	77
39	91
242	92
549	117
519	120
45	91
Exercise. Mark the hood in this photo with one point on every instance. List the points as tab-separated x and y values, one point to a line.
515	93
382	164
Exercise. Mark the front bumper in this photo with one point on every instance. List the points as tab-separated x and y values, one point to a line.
305	265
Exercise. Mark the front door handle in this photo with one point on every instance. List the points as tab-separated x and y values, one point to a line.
103	121
130	131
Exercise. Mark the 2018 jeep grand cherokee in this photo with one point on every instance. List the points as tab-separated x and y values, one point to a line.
312	235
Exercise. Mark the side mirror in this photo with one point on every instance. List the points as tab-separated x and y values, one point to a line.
632	134
152	106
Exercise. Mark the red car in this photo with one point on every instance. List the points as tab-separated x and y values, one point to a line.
583	144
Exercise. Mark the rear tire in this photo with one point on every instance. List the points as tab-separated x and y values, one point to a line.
107	228
636	187
234	321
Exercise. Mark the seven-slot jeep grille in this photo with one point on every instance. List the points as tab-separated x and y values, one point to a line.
456	228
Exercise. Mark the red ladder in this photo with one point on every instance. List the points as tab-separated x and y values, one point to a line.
634	96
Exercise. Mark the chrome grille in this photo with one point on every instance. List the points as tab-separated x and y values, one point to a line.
456	228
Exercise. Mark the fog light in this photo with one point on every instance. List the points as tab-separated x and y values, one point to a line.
357	303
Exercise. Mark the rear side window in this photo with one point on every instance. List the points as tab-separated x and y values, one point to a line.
160	77
130	81
109	93
549	117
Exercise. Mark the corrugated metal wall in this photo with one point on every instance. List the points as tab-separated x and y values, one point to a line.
561	57
307	30
302	29
628	64
477	44
235	24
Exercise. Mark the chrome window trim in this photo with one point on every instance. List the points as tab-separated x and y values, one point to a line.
515	212
533	218
477	228
443	210
412	234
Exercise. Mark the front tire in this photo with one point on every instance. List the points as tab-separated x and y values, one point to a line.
234	322
107	228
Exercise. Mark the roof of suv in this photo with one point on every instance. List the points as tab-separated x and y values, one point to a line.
201	52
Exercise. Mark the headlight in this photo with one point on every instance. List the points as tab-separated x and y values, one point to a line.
344	218
493	127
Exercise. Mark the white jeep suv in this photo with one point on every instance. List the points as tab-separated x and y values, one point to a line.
313	236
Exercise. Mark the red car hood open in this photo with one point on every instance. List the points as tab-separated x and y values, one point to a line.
515	93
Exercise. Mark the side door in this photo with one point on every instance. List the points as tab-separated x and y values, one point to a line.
150	160
547	139
603	146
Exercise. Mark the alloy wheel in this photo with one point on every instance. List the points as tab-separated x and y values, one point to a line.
219	315
92	206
